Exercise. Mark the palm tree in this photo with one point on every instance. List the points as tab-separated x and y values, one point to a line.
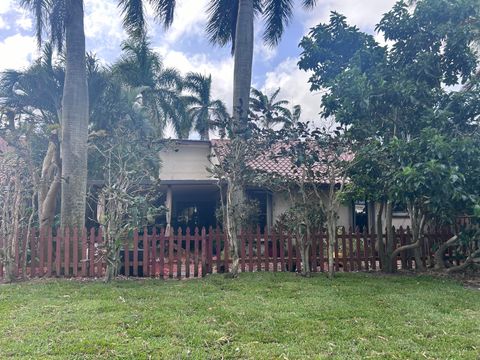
205	113
267	110
232	21
142	69
66	22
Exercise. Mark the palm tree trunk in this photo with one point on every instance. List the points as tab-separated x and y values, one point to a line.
74	120
243	58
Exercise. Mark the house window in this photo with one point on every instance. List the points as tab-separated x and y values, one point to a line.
360	214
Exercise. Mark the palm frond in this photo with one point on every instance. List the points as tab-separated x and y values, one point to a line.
222	21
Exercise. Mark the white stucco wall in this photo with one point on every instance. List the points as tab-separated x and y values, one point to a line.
185	161
281	203
397	220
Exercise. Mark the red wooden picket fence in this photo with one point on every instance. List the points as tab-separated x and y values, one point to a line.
186	254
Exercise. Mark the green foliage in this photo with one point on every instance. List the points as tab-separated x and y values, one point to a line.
414	141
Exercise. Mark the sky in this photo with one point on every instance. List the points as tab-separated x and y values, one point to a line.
184	45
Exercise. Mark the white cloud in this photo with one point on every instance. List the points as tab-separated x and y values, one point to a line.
103	24
364	14
294	88
17	51
3	24
24	22
190	20
6	6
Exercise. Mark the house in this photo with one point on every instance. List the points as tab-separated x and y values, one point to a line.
192	195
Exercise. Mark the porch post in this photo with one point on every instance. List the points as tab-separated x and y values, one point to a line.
269	212
168	205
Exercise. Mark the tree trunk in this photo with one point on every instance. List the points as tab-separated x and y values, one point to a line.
332	234
74	120
243	59
379	229
440	253
48	187
304	246
235	199
389	236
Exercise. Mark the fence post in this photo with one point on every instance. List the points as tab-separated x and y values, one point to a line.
41	253
135	252
179	252
75	252
204	252
187	252
66	252
209	236
242	249
259	249
58	252
153	255
146	256
274	249
162	253
359	255
195	252
91	253
126	257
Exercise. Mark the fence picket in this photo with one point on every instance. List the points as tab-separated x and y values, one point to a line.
313	254
290	253
358	249
179	252
171	237
68	251
41	253
154	258
218	250
83	260
210	250
135	252
242	250
75	252
373	253
274	250
91	253
162	253
259	249
145	258
126	257
344	251
204	252
226	251
187	253
58	252
33	254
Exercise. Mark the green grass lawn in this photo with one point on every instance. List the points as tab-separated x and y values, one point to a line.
258	316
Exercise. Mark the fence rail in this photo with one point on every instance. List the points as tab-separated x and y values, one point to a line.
186	254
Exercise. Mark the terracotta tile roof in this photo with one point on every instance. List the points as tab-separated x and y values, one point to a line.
280	166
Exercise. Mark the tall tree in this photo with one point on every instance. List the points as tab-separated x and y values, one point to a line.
232	22
65	22
394	98
267	110
206	114
142	69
